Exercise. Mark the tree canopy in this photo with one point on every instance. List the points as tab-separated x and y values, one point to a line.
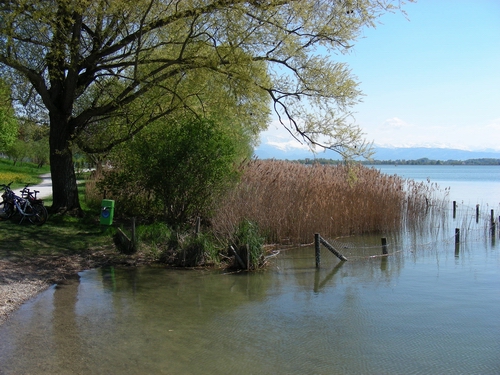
8	122
88	65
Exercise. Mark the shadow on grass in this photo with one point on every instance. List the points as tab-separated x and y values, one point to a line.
60	235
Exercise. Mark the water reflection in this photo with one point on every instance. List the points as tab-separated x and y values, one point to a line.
372	314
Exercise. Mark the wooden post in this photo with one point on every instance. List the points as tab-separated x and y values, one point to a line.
331	248
247	248
384	246
237	257
454	209
134	239
492	222
457	242
477	213
198	225
317	250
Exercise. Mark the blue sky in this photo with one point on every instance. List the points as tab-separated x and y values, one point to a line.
431	79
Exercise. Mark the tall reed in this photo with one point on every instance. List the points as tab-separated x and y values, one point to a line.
291	201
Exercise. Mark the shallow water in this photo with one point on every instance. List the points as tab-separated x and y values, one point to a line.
428	308
425	309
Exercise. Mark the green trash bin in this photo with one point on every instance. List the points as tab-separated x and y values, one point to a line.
107	211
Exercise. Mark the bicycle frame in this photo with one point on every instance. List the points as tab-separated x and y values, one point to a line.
22	204
27	205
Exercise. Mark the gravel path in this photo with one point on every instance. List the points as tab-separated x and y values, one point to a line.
44	188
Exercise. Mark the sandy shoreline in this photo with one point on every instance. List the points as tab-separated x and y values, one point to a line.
21	280
24	279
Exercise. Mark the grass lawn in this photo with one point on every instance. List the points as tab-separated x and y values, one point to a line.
20	174
60	235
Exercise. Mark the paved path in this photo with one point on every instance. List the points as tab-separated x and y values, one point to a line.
44	188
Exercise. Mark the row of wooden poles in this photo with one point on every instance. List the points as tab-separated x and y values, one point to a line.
318	240
477	214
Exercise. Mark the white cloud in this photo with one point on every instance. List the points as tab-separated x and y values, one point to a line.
287	145
396	132
278	137
494	125
395	124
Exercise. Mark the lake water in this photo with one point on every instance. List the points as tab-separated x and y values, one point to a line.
430	307
468	184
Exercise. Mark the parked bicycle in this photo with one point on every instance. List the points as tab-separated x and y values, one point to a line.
27	205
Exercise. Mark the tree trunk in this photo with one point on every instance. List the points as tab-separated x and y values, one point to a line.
64	187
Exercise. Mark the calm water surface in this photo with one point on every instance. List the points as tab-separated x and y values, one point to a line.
469	184
428	308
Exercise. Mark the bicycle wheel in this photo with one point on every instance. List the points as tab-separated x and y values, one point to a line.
6	210
40	214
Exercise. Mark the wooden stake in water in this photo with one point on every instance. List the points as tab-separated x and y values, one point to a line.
457	235
492	222
317	250
454	209
477	213
384	246
247	248
332	249
318	240
134	238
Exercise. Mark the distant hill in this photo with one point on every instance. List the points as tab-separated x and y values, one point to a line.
381	153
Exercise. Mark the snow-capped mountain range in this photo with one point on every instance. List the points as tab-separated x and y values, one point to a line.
267	151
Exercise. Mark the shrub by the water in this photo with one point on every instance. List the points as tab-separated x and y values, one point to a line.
248	242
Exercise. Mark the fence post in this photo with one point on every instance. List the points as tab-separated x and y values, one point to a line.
477	213
384	246
134	237
454	209
317	249
198	226
332	249
457	241
492	223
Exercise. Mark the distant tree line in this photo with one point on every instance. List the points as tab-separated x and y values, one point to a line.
421	161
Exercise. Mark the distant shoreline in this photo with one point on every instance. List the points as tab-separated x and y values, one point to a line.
422	161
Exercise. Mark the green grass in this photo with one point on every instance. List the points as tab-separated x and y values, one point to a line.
60	235
21	173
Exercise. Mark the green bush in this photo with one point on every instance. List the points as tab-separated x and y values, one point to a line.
248	244
190	250
178	248
174	171
154	238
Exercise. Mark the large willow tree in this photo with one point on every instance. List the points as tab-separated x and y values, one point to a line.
85	64
8	122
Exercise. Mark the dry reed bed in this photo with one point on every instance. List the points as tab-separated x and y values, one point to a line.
290	201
